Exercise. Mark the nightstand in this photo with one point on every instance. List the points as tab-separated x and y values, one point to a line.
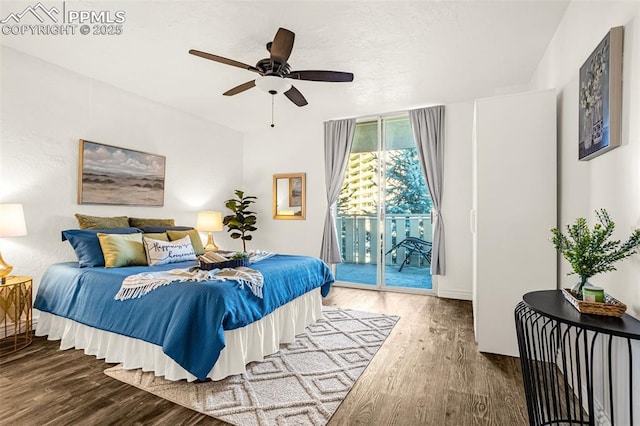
576	368
15	314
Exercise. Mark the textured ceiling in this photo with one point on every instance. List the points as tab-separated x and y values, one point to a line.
403	54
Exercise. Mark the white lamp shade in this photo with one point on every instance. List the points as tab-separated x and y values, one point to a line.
209	221
12	222
271	83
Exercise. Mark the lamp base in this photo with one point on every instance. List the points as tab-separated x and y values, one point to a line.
211	245
5	270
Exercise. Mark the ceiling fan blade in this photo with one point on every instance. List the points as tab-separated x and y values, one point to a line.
282	45
241	88
331	76
296	97
223	60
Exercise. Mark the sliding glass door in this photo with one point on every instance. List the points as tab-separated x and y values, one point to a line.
384	210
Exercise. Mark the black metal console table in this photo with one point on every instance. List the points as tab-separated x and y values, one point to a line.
577	368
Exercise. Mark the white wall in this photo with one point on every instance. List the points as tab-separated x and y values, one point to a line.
612	180
286	150
46	109
456	201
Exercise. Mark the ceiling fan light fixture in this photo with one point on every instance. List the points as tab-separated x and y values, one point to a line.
275	68
272	84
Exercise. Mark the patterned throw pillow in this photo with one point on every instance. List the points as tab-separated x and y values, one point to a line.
196	241
161	252
122	250
98	222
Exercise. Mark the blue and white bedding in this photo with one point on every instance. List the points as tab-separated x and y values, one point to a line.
186	319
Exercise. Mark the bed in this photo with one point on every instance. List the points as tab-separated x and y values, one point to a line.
186	330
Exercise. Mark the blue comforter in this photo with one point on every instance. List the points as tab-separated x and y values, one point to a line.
187	319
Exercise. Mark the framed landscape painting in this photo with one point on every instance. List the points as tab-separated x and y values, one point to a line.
600	110
112	175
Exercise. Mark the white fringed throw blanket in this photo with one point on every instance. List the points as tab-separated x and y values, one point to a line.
138	285
258	255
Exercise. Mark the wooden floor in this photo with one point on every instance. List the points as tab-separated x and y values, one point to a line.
428	372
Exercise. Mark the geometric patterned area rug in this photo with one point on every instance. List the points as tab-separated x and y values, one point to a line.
302	384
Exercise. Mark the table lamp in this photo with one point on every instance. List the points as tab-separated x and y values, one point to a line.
11	225
210	222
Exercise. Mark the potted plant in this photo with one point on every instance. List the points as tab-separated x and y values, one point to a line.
590	251
242	221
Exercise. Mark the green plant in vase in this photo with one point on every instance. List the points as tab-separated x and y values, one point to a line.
590	251
242	221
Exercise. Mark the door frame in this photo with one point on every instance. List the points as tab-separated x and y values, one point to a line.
380	284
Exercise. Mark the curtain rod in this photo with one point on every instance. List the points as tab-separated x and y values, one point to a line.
384	114
372	116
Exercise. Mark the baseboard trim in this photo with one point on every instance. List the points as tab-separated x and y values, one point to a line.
455	294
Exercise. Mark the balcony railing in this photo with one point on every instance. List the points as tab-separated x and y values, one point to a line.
359	237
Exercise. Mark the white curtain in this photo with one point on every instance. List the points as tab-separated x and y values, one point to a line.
338	138
428	130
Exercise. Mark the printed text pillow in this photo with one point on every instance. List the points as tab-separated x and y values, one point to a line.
163	252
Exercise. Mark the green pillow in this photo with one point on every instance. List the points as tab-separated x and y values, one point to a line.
162	236
138	222
98	222
122	250
196	241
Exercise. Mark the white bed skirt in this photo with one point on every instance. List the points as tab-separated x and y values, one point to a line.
243	345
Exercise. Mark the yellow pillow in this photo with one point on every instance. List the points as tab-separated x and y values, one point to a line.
196	241
122	250
162	236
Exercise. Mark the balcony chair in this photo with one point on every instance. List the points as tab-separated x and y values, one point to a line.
413	245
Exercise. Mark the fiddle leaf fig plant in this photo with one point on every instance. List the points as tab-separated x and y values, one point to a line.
242	220
591	251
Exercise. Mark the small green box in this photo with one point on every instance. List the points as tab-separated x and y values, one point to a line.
592	294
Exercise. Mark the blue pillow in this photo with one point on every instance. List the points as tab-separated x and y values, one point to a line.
86	244
161	229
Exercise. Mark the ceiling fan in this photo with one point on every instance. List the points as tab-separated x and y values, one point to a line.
275	70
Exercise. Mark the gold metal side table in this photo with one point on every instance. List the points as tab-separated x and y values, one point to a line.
15	314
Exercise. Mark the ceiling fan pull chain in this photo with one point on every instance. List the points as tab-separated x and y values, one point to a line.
272	102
